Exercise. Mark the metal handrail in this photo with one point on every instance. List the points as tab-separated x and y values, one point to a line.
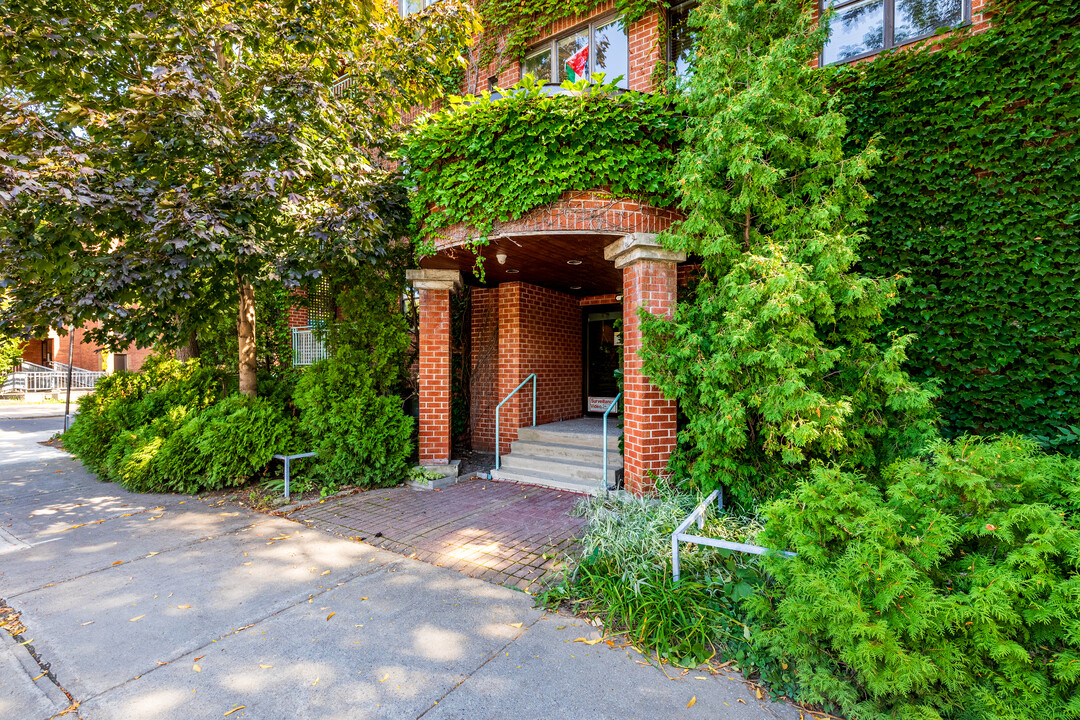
532	376
610	408
680	534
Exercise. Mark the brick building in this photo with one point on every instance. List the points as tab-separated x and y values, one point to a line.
86	354
557	278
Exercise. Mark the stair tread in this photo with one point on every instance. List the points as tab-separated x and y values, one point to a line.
558	482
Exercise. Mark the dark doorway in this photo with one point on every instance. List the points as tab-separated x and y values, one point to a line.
601	358
119	363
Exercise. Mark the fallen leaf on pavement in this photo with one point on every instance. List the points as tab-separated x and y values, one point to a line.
199	658
758	692
692	701
196	667
517	625
331	615
182	607
230	712
266	667
325	572
700	677
137	617
315	683
385	677
588	642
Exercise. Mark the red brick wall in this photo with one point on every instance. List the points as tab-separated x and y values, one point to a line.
519	329
649	420
484	393
434	377
611	299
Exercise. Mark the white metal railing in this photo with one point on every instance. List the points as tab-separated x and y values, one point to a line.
308	348
680	535
52	381
80	377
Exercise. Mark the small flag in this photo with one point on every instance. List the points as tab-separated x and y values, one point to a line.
577	66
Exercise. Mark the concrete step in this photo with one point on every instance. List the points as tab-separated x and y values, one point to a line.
586	487
574	453
565	436
568	469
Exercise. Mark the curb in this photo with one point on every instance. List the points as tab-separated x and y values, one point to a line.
46	686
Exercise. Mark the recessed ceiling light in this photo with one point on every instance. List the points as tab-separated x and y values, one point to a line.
575	287
573	262
511	271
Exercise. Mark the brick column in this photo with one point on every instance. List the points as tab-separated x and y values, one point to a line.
434	287
649	423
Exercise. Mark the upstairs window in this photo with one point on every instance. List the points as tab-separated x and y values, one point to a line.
864	27
408	7
602	47
681	40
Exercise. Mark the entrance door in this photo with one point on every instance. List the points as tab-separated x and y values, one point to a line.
601	359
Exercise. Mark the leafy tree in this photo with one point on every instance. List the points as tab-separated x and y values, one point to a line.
770	357
162	157
10	347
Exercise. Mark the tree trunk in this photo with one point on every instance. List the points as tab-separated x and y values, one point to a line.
245	333
189	351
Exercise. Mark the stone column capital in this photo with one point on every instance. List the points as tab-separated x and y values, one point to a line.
429	279
638	247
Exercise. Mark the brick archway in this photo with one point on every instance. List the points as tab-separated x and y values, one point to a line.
576	211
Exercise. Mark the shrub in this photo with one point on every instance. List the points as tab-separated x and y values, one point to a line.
126	400
162	429
361	437
625	576
951	592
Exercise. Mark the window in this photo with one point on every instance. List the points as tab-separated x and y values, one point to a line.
408	7
864	27
681	39
602	47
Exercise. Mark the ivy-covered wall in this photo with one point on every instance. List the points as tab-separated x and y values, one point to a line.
484	160
978	205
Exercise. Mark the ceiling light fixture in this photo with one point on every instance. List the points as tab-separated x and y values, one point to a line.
575	287
511	271
573	262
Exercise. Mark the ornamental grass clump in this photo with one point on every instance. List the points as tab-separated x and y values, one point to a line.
624	576
950	591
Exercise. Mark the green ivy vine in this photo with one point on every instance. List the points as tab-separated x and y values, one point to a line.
978	204
488	159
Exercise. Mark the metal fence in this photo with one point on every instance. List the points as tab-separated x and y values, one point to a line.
308	348
32	378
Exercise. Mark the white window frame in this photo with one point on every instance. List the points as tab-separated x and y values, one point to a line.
552	45
425	5
888	36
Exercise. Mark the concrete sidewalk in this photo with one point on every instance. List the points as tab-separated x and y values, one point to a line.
144	606
30	411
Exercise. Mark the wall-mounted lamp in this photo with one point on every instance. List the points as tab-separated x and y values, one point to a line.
501	257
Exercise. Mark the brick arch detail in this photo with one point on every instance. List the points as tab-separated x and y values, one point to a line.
581	211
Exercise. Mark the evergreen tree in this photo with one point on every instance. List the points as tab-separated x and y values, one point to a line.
771	356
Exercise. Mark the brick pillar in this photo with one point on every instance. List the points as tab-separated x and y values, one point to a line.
434	287
649	423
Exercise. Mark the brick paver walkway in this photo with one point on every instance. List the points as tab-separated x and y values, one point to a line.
504	533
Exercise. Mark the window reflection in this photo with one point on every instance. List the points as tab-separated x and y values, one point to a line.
574	57
612	52
855	30
539	65
915	18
